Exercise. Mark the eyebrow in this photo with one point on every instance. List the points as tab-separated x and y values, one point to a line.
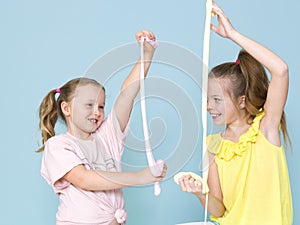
93	101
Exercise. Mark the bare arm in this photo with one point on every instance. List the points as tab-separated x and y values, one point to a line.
278	88
96	180
215	197
131	85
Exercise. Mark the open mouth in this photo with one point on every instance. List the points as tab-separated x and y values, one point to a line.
215	115
93	120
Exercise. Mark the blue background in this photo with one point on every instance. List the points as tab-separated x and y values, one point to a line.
45	43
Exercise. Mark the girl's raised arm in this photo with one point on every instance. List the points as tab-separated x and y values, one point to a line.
279	82
131	85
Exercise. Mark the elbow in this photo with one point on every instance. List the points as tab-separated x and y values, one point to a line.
220	214
82	183
84	179
283	70
218	211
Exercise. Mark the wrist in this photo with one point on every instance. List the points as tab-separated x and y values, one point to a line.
234	35
200	195
148	54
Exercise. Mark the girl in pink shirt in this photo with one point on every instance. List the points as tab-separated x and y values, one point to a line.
84	165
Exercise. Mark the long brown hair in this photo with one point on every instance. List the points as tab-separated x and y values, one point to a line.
50	110
248	77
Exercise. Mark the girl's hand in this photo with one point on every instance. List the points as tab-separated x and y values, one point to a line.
146	176
189	184
148	48
224	28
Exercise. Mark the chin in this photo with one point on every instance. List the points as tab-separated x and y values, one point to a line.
94	130
218	123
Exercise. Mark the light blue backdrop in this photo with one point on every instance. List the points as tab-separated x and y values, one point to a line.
45	43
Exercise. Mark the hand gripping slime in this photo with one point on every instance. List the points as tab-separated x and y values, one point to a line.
155	167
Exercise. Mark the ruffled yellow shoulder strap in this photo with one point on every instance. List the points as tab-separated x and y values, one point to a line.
214	143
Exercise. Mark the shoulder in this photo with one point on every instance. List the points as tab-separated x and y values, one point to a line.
62	146
60	141
59	138
214	143
111	126
106	122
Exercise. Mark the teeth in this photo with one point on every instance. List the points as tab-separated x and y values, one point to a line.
93	120
215	114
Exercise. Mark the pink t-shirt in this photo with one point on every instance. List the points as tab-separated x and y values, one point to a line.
64	152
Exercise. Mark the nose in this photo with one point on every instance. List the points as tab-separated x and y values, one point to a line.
209	105
97	110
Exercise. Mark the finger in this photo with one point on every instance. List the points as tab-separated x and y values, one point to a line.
198	185
149	34
158	179
165	170
213	28
152	36
185	181
182	184
217	10
163	174
216	7
190	185
189	189
146	32
188	180
191	181
214	10
138	36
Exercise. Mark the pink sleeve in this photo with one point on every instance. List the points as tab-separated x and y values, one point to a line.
58	159
112	136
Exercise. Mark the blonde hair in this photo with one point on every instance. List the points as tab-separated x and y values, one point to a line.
248	77
50	110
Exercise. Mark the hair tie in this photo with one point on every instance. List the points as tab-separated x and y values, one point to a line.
237	62
57	90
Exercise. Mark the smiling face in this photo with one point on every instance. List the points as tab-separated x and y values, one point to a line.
85	113
220	103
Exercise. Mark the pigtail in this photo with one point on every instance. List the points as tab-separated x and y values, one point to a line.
49	112
50	108
285	134
257	83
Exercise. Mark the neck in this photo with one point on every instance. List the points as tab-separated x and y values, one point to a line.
80	135
234	130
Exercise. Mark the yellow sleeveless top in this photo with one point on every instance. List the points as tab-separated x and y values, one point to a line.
254	179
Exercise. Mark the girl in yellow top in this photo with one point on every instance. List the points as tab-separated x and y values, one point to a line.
248	178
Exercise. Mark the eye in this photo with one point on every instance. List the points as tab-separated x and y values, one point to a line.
89	105
217	99
101	107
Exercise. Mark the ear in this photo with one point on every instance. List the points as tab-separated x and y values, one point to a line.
66	108
242	102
